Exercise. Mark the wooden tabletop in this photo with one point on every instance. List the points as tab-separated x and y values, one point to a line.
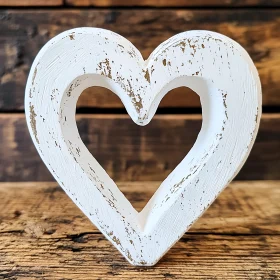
43	235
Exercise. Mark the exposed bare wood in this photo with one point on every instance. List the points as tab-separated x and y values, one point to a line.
44	235
23	33
130	152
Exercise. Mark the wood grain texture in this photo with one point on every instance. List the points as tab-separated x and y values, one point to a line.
173	3
45	236
128	152
243	208
24	3
98	97
23	33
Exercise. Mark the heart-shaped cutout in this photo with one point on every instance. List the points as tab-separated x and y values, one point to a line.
214	66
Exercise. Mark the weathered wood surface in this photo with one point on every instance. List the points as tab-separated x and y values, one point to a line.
24	3
133	3
98	97
245	207
130	152
24	32
44	236
173	3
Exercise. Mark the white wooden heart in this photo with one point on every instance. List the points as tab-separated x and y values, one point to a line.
214	66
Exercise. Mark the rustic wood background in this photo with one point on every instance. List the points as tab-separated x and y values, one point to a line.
129	152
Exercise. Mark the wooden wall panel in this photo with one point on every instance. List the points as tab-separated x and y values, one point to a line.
130	152
24	32
143	3
24	3
98	97
174	3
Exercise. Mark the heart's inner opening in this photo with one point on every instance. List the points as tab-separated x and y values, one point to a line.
133	153
118	129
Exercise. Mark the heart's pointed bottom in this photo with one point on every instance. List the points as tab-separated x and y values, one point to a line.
142	262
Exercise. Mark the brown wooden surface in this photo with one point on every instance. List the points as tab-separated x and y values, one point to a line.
24	32
43	235
98	97
152	3
130	152
23	3
173	3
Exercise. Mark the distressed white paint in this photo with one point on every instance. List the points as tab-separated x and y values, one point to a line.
214	66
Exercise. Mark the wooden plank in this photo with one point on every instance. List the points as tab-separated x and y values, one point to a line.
45	236
129	152
245	207
193	257
23	33
24	3
173	3
99	97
